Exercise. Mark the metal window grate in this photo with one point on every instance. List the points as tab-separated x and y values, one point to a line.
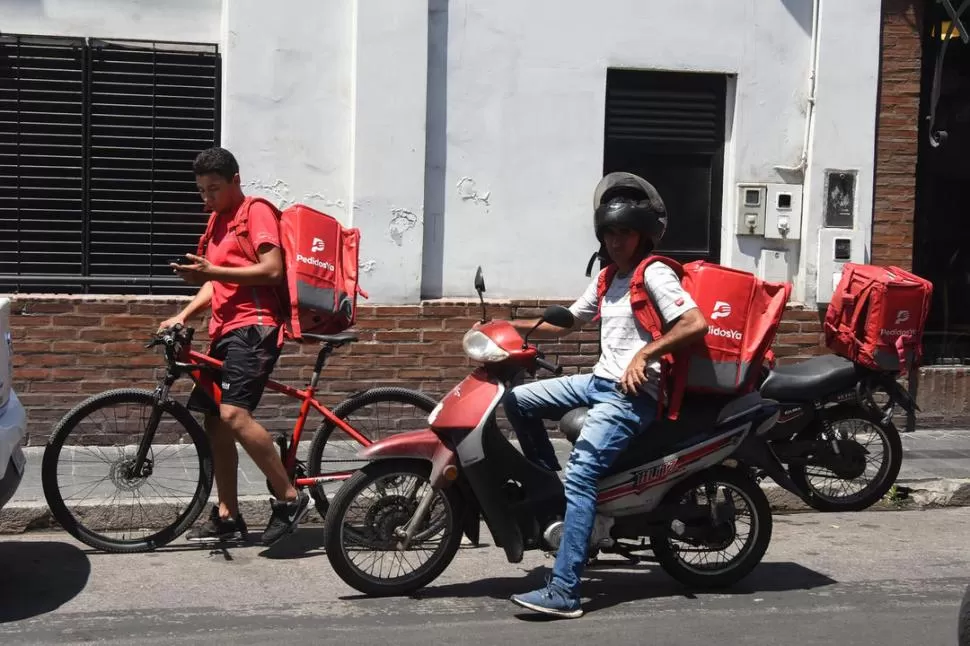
669	127
685	111
96	144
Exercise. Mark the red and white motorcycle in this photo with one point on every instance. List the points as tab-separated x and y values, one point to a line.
681	494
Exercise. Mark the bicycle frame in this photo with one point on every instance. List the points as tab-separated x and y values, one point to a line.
199	367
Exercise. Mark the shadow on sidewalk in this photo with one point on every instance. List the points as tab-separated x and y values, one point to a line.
612	583
39	577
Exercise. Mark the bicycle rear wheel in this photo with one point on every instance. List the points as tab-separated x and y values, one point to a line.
88	480
375	414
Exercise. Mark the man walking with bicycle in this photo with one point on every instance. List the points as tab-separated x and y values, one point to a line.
246	332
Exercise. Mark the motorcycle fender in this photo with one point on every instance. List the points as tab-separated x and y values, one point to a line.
421	445
466	410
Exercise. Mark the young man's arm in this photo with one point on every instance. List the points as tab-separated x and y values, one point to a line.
545	330
268	270
584	309
677	308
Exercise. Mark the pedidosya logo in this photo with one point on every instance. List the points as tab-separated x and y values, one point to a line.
316	262
902	316
722	310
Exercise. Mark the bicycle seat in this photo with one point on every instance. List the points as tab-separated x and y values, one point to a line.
335	340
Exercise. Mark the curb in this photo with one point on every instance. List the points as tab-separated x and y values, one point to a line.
909	495
17	518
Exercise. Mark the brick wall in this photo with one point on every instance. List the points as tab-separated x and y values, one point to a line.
897	134
69	348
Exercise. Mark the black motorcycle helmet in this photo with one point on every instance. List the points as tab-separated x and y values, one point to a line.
628	201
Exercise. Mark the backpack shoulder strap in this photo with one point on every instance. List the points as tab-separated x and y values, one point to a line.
603	281
204	239
643	306
673	370
240	225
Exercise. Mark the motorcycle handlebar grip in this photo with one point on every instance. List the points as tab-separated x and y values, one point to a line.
551	367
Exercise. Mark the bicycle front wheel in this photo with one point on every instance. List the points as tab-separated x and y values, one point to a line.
96	492
375	414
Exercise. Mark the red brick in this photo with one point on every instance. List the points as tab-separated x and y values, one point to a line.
77	320
51	333
28	347
148	323
51	307
31	320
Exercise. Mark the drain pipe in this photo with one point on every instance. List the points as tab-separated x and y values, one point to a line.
802	166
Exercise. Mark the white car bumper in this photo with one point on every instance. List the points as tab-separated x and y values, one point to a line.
13	427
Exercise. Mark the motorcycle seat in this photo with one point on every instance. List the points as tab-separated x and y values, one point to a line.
810	379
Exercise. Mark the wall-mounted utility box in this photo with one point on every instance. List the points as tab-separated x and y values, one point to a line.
783	212
751	209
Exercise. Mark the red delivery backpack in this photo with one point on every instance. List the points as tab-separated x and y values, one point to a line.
320	261
877	315
743	313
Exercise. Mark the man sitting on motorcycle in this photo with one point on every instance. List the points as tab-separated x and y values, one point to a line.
621	393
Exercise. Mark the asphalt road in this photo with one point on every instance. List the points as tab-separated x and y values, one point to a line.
871	578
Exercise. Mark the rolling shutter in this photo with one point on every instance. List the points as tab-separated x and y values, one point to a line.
130	118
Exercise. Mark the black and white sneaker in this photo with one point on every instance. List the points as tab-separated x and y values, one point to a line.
286	516
217	529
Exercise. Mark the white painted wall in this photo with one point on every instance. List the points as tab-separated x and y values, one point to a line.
843	129
526	93
458	134
288	100
391	70
181	20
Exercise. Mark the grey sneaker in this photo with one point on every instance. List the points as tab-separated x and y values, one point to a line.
217	529
286	516
551	600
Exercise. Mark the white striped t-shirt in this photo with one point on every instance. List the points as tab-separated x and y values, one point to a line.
621	336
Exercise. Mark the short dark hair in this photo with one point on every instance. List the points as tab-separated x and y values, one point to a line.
216	160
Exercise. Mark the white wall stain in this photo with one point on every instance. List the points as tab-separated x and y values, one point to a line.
402	221
367	266
468	190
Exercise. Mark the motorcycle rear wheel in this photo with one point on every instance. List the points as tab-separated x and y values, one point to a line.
733	484
808	478
358	522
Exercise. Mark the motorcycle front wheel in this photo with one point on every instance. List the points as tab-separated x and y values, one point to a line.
718	531
365	521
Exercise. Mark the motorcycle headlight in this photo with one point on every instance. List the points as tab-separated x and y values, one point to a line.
479	347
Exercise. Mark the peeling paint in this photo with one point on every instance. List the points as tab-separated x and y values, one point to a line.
278	189
468	190
323	200
402	221
367	266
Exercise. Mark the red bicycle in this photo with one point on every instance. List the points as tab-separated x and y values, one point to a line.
126	455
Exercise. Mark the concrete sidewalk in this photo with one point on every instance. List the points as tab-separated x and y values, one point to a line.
935	473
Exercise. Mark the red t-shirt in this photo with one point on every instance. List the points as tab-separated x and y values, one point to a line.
235	306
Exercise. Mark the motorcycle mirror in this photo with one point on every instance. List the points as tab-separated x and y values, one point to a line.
559	316
480	288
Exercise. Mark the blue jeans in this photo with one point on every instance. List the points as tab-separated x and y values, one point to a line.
613	420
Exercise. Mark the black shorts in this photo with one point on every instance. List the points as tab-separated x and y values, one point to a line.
248	354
